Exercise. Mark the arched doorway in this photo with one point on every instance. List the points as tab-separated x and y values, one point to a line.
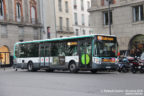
136	45
4	56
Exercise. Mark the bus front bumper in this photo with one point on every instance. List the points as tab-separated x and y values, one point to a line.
105	66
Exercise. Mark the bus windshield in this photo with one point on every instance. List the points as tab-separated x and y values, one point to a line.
105	49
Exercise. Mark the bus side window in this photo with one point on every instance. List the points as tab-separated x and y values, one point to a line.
23	51
61	49
47	51
75	51
71	50
54	49
42	51
33	50
17	51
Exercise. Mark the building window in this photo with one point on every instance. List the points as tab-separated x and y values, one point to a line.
33	16
82	4
138	13
83	19
48	32
75	4
88	4
60	5
76	18
33	11
88	21
1	9
84	32
66	7
106	19
61	23
67	24
77	32
18	11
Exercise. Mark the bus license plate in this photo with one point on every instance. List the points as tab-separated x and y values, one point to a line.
108	67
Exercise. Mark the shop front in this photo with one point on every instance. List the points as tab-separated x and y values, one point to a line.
4	56
136	45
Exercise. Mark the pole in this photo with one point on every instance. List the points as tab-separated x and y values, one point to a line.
55	18
109	18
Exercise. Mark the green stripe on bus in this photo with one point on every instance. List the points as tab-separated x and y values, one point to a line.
85	58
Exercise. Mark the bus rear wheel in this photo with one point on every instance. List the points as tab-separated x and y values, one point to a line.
73	68
30	67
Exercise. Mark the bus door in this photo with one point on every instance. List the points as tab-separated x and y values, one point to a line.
44	55
47	55
85	56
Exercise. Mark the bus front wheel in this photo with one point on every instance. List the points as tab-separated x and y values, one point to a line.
73	68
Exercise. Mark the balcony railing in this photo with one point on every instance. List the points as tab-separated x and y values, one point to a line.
34	21
61	29
3	18
19	19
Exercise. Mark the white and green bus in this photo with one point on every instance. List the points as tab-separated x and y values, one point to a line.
92	52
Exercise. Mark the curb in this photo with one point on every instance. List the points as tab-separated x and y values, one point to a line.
5	69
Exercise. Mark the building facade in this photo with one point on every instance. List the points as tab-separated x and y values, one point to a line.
127	21
57	18
19	21
80	14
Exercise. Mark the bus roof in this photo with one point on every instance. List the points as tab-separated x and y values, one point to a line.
63	38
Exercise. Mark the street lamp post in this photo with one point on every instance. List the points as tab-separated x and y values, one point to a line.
109	18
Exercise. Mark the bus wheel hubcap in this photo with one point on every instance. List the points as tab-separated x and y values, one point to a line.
72	67
30	67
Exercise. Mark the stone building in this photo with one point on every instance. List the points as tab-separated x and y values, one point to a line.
127	19
81	17
57	18
19	21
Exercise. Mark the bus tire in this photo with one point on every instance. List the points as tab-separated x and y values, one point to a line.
30	67
73	68
93	71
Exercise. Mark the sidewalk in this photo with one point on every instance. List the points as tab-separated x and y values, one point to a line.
2	69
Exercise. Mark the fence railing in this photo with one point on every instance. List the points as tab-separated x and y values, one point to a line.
62	29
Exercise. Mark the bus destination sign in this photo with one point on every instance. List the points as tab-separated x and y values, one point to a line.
105	38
